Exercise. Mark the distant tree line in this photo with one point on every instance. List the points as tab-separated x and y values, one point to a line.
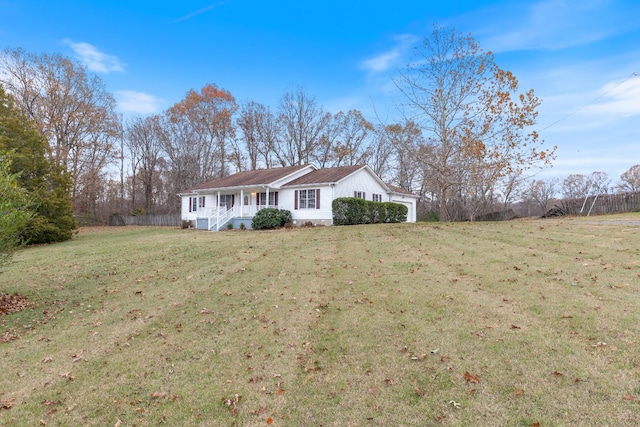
465	142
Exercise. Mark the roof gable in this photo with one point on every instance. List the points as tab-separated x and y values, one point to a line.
325	176
251	178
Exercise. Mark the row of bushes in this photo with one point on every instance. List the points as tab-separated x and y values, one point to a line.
351	211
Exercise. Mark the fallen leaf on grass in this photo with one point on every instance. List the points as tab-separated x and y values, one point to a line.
269	420
519	392
118	423
567	316
158	394
515	327
475	379
68	376
232	403
557	374
629	397
7	403
420	357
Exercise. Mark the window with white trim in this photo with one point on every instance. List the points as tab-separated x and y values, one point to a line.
377	197
359	194
273	198
307	199
193	204
201	201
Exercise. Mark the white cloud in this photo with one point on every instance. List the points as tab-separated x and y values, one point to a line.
546	24
392	57
95	60
199	11
130	101
619	99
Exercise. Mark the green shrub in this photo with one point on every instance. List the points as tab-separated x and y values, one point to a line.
41	230
242	226
268	218
230	226
350	211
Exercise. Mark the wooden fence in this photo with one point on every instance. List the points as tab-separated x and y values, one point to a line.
168	220
601	204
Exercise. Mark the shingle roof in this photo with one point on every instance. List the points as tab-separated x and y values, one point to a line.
400	190
249	178
325	176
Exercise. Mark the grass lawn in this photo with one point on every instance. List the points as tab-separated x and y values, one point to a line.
519	323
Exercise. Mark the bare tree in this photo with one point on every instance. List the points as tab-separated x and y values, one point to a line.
72	109
471	113
406	140
381	154
303	123
599	182
143	139
260	132
541	193
576	186
630	180
352	143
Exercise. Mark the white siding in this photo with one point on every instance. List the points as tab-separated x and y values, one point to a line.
409	202
323	215
184	209
361	181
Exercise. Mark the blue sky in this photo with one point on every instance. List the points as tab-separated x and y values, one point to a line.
579	56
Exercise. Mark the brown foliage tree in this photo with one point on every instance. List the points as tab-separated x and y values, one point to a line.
196	136
472	114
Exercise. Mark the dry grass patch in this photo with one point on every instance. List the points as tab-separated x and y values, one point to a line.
417	324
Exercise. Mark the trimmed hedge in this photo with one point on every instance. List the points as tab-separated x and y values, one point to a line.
270	218
351	211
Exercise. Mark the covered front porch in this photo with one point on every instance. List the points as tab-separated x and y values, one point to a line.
215	211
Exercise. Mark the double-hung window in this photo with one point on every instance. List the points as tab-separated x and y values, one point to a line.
307	199
359	194
377	197
273	199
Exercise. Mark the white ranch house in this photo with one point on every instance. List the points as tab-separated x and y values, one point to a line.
305	191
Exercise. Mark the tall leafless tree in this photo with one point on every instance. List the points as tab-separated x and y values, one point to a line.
302	124
471	113
72	109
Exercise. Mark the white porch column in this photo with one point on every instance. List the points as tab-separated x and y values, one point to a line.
241	202
266	202
218	201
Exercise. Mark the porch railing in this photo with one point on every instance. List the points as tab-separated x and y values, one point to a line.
217	217
222	215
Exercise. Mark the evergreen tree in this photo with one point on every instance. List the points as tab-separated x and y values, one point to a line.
14	212
47	183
